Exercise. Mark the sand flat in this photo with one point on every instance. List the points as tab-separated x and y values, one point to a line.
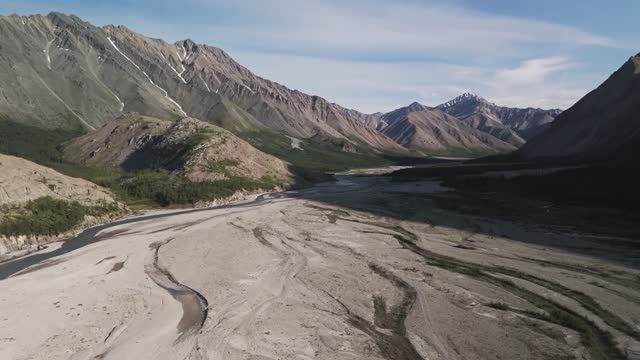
298	276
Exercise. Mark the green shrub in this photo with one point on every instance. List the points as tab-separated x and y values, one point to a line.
318	154
165	189
48	216
220	165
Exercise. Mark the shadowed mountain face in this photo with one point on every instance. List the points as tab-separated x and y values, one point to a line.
600	125
59	71
432	131
525	123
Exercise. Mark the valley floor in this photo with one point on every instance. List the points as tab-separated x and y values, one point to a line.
331	272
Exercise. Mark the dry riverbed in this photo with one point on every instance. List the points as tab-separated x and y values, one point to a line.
332	272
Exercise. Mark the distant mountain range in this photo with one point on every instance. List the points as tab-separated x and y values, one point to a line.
526	123
432	131
60	72
467	125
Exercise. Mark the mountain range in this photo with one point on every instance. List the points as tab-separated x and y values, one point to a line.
60	72
525	123
467	125
432	131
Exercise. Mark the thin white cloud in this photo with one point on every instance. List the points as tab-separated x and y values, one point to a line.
374	86
533	70
358	25
377	55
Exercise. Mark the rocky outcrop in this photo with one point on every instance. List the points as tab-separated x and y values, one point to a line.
189	147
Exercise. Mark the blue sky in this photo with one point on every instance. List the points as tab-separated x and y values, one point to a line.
379	55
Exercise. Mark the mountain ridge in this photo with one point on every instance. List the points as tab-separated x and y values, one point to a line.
603	124
86	76
432	131
77	75
525	122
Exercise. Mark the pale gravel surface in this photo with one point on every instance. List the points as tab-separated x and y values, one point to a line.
293	276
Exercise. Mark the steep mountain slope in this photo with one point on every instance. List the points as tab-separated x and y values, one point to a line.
525	122
392	117
186	69
59	71
190	147
432	131
480	121
604	123
489	125
22	180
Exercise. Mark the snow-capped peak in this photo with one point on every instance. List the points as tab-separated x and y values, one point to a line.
462	98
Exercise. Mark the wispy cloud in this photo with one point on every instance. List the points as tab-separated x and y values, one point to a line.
533	70
375	55
377	86
407	28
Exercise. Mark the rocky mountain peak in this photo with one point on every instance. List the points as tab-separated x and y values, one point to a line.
472	96
527	122
466	99
416	106
63	20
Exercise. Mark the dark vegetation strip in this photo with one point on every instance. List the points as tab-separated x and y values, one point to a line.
48	216
162	188
589	270
258	233
392	346
598	185
395	317
629	282
319	154
622	225
395	345
586	301
456	169
610	185
600	343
